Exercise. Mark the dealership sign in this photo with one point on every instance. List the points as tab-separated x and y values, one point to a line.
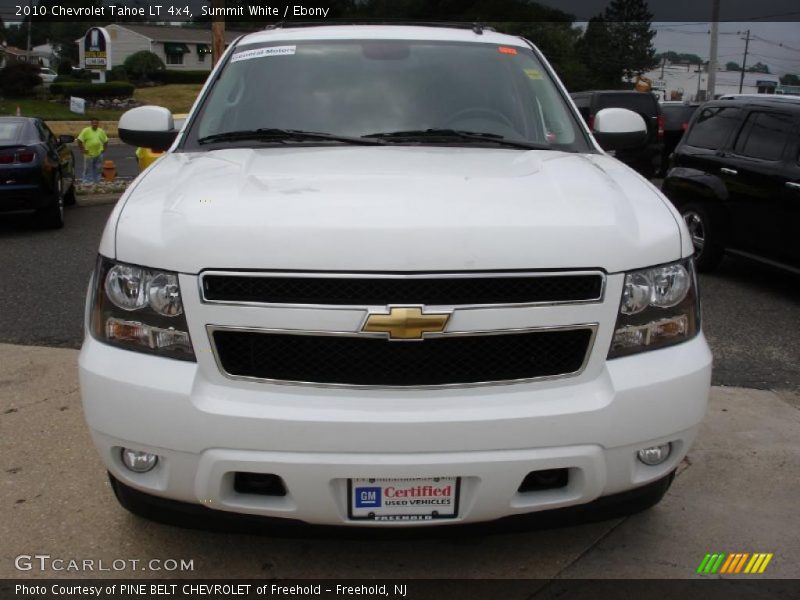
97	48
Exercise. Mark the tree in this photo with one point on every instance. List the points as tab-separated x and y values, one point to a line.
139	66
759	67
631	35
618	44
790	79
18	79
732	66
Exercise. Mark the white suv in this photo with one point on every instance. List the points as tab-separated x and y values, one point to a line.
385	276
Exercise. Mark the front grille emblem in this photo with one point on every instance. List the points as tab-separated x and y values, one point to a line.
405	323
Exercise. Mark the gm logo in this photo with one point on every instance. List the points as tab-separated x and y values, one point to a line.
368	497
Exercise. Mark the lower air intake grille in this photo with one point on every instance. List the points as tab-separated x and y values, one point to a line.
345	360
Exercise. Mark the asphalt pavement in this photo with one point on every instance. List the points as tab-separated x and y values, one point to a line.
751	312
124	158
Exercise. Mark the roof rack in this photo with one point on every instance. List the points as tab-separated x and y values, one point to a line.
478	28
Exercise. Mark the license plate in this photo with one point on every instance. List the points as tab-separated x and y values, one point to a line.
415	499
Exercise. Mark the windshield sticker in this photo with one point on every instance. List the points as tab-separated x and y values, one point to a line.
261	52
533	73
506	50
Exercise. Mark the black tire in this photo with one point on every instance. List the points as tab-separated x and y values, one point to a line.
52	215
69	197
706	235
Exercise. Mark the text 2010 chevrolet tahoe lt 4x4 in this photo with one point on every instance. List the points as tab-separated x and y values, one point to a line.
385	276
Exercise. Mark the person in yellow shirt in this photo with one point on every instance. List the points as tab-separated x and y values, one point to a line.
92	141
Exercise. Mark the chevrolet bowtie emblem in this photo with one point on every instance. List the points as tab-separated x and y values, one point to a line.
405	323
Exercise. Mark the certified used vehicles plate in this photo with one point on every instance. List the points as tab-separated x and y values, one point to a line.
415	499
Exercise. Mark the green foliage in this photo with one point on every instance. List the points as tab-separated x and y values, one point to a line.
65	67
790	79
19	80
732	66
759	67
117	73
169	76
143	65
676	57
93	91
617	44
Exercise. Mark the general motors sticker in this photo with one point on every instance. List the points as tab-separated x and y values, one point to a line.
262	52
412	499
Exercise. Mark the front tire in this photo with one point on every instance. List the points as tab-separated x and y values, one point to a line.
706	236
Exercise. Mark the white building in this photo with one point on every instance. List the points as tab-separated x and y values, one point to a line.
181	48
684	82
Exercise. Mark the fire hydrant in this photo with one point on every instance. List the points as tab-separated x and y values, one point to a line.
109	170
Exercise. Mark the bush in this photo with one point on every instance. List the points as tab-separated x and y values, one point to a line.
142	65
64	67
19	79
93	91
169	76
117	73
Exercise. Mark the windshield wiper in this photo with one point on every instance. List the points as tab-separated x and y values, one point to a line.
285	135
448	135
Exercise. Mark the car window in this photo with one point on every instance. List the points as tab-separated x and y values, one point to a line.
764	135
362	87
713	126
10	132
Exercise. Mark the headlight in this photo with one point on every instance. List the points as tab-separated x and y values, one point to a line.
659	307
139	309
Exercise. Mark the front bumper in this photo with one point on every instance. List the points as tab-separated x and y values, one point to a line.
204	430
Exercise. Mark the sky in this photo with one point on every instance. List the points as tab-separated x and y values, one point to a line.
774	44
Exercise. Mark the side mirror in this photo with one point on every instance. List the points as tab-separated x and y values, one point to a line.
148	127
619	129
66	139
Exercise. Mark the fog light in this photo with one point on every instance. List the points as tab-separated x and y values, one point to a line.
654	455
138	462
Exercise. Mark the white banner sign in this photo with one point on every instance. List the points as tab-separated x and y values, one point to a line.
77	105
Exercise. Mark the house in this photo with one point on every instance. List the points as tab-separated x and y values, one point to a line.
690	82
46	54
181	48
10	54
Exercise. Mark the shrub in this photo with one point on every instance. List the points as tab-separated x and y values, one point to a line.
117	73
19	79
142	65
93	91
169	76
64	67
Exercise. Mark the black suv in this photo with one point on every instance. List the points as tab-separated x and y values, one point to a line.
646	159
735	178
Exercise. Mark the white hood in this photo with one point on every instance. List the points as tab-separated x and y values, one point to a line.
395	208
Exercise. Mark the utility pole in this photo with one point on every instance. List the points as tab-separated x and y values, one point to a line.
712	53
744	60
217	31
699	72
30	22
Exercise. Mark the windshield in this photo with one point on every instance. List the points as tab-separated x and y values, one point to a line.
379	87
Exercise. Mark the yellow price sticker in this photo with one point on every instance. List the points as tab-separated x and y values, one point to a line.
533	73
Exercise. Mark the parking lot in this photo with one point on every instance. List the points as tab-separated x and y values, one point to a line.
736	492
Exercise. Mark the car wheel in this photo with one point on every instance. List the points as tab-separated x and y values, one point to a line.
705	236
52	216
69	197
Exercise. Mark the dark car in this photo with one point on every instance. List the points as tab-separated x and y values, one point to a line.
37	170
735	178
676	121
646	158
